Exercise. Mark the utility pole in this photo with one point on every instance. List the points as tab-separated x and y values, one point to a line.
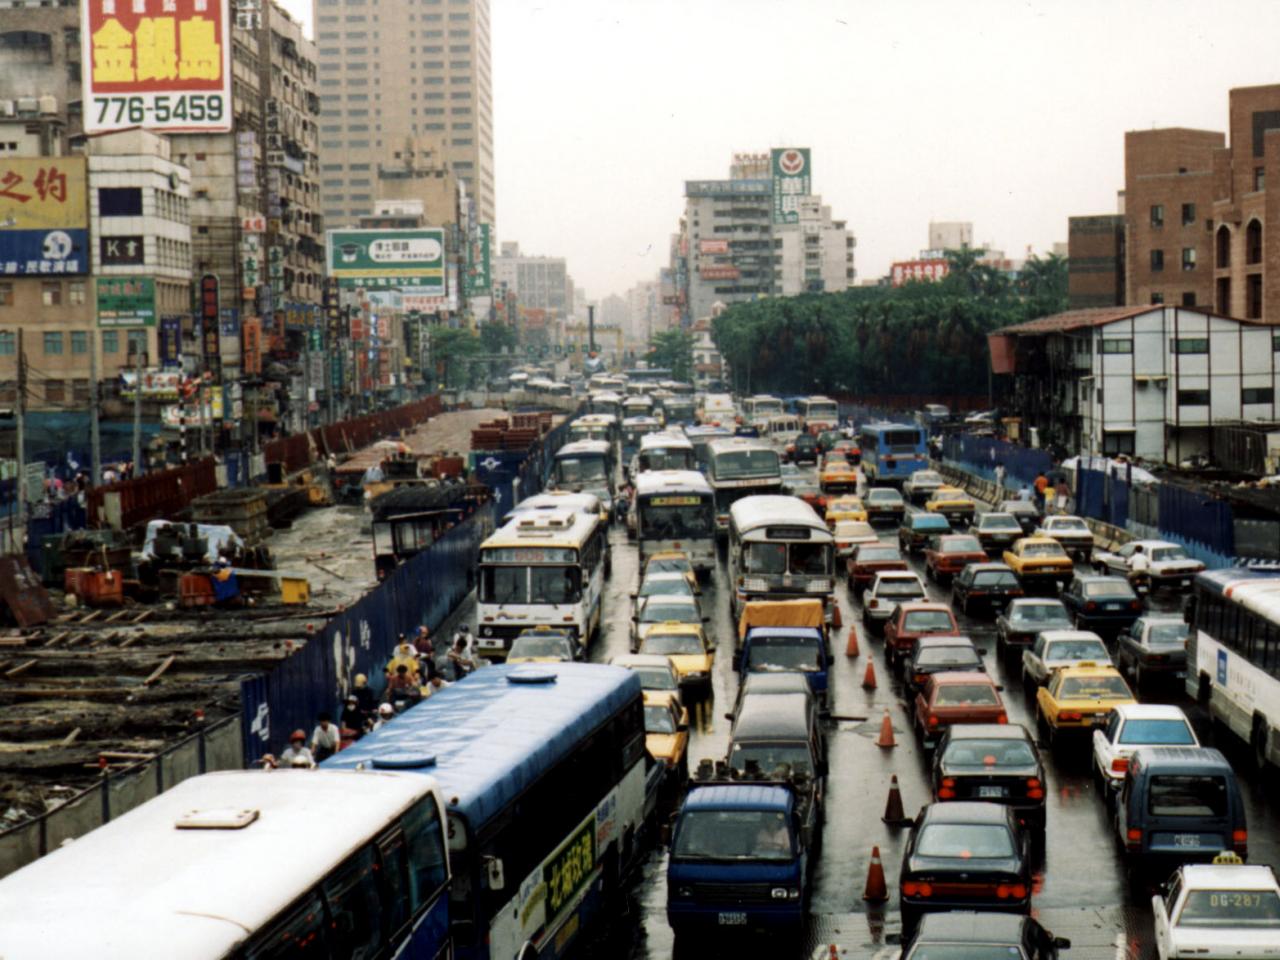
95	440
182	407
137	413
306	388
20	413
591	327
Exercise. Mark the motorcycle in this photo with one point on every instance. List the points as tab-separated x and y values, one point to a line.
1140	580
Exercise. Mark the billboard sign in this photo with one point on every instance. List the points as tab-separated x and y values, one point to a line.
44	218
792	179
122	251
170	341
713	246
251	345
388	258
923	270
721	273
479	278
160	64
210	333
126	301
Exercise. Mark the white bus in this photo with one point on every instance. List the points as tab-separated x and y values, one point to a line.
246	864
779	549
819	414
595	426
675	510
667	450
758	409
605	401
541	568
739	467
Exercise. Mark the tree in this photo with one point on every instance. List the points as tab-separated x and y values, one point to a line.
496	337
451	350
673	350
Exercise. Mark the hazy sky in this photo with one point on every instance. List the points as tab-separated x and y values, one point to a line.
1009	115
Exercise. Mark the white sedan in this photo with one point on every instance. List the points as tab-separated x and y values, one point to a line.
850	534
1061	648
1170	564
1072	532
1133	725
1220	910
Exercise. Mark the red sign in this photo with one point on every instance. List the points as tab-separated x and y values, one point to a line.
923	270
713	246
209	332
721	273
251	339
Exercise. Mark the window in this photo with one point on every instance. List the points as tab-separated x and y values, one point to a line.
1188	214
137	342
287	940
1115	345
1193	398
8	343
1189	299
110	341
1188	258
79	391
1258	395
53	342
1275	342
6	294
79	341
1190	345
1116	443
1253	296
1157	215
120	201
1157	297
1253	242
51	292
1259	178
1157	261
55	391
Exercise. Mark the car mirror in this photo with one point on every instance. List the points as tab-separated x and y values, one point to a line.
706	619
635	596
682	728
982	652
1062	943
728	716
1000	688
821	768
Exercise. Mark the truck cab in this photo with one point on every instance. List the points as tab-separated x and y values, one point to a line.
801	650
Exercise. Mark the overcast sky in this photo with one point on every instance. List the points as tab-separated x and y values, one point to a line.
1009	115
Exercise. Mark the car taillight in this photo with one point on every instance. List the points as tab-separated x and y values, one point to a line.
1002	718
933	719
1091	605
1035	789
920	677
1135	604
1070	715
1017	891
1240	839
1134	837
1119	764
913	888
873	603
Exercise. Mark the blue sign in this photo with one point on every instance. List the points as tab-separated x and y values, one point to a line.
44	252
229	321
1222	667
725	188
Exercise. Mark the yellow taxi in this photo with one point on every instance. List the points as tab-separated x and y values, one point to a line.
671	561
1078	698
666	730
685	645
837	477
845	508
1039	559
953	503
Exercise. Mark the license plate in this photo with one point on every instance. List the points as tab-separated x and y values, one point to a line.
1184	582
1098	719
984	792
1114	606
1186	839
734	918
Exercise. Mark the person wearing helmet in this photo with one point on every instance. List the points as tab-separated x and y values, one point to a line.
386	712
365	699
297	754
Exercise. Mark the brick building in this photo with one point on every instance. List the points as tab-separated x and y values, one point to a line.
1095	261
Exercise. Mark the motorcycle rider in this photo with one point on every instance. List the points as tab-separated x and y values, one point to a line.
1139	567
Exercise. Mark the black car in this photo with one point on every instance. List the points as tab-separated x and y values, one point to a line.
803	449
930	655
988	586
1024	619
982	936
1153	647
918	528
1105	605
998	763
964	856
997	531
1024	511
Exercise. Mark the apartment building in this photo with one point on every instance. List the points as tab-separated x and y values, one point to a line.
1095	261
815	254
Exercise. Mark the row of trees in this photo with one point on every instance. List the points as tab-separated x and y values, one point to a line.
918	338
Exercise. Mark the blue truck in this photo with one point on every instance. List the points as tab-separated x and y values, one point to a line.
800	650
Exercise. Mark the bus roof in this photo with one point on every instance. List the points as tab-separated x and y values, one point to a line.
548	500
665	440
140	886
640	421
596	419
579	448
564	526
658	481
755	513
730	444
1255	590
882	425
492	737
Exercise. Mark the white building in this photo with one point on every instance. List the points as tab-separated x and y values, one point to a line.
540	283
950	235
1148	381
813	255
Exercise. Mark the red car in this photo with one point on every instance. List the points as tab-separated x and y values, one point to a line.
946	556
910	622
869	559
956	697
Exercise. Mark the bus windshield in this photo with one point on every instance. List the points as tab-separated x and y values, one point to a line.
745	463
901	441
676	522
530	584
822	411
667	458
785	654
796	558
582	470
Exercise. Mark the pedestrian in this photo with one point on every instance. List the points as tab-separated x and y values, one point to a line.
460	657
296	753
434	686
364	696
1024	493
1042	484
353	718
386	712
1061	494
404	657
422	642
324	738
1000	475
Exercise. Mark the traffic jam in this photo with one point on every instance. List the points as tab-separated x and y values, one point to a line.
889	718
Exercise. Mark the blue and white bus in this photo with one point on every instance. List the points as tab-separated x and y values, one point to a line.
1233	655
891	452
543	766
247	865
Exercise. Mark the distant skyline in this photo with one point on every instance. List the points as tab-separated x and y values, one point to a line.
1011	116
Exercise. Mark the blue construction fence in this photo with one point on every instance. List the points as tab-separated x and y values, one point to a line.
361	639
513	475
981	456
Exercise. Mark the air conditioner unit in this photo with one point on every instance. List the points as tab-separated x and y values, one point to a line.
48	106
8	108
274	141
27	106
275	158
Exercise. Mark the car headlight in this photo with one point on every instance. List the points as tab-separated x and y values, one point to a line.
785	893
487	631
754	585
819	586
684	891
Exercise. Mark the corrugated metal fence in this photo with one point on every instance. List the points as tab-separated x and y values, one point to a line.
980	455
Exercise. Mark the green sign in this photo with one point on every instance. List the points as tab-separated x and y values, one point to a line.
479	280
792	179
126	301
383	259
566	870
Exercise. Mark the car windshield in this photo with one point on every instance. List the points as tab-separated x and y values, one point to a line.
1172	733
655	678
956	656
873	554
658	719
781	759
669	644
1043	550
988	753
668	565
965	841
784	653
541	647
1038	613
929	521
883	495
995	578
925	478
1159	554
966	695
966	951
851	529
1092	688
1077	650
666	586
1230	909
1108	589
733	835
900	588
1168	635
962	545
925	621
1068	525
993	522
1187	795
656	611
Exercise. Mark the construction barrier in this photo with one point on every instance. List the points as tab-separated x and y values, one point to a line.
158	495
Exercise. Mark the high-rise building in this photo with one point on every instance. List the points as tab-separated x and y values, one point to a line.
391	70
950	235
814	254
540	283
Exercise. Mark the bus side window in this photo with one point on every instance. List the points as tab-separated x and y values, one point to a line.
299	935
355	911
427	870
395	880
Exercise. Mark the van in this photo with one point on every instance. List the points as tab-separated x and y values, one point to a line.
782	427
1179	805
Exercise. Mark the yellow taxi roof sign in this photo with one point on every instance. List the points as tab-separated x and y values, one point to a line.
1227	858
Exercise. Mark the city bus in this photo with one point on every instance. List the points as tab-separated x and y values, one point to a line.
667	450
246	864
640	405
759	409
1233	655
779	549
701	436
675	510
891	452
595	426
648	376
634	429
679	409
739	467
818	413
544	769
549	500
605	401
543	567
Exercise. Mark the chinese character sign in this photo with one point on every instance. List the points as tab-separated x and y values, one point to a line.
478	275
44	220
159	64
373	259
210	334
792	179
126	301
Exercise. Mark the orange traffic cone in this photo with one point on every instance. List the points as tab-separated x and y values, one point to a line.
893	812
837	619
851	648
875	891
869	678
886	732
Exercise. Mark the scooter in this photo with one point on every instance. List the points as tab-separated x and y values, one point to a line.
1141	583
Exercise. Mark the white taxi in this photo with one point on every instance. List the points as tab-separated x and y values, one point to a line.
1220	910
1133	725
